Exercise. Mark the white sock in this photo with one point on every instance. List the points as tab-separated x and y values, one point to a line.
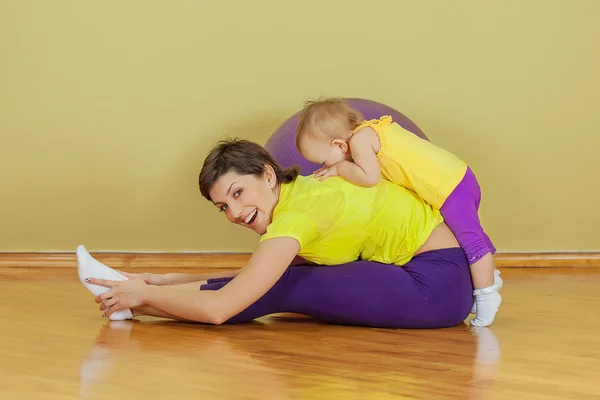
498	283
88	267
488	301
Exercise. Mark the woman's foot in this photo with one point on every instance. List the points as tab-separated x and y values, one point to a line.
88	267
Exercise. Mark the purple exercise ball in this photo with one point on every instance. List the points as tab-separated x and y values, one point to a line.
281	145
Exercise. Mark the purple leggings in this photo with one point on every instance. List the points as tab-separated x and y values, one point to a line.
433	290
461	214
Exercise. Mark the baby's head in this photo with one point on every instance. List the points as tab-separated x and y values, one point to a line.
324	129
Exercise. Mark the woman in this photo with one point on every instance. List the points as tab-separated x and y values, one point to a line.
418	276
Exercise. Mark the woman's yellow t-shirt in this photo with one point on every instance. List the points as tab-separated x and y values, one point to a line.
415	163
336	222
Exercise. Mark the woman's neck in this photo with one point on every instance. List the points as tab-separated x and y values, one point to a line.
277	192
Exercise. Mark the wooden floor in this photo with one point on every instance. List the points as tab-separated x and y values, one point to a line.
545	344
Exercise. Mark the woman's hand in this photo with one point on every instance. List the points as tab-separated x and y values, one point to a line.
150	279
122	294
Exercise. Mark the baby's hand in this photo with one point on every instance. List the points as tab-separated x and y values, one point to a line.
326	172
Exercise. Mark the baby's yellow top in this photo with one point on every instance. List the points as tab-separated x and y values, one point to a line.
336	222
415	163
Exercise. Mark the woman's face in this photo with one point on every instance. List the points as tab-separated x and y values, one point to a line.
247	200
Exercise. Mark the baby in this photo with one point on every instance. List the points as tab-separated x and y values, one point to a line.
334	135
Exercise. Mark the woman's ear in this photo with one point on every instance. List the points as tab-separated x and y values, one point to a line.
341	144
269	175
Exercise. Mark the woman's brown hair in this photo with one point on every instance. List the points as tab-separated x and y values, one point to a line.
243	157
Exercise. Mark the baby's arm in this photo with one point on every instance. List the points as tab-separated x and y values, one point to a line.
364	171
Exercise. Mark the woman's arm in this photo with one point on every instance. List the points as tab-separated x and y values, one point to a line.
265	267
175	278
178	278
153	312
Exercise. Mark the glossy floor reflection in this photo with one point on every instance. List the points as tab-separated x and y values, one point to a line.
54	345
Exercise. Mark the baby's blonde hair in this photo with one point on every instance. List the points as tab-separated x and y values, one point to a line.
329	118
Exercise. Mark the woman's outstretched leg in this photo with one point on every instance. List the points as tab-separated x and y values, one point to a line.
433	290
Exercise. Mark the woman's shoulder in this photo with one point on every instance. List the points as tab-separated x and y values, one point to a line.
310	195
308	188
305	186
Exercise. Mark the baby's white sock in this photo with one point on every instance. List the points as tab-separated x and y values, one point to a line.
88	267
488	301
498	283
